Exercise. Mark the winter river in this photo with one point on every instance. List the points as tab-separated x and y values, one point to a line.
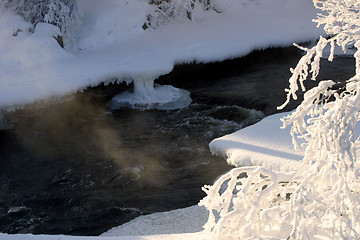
76	167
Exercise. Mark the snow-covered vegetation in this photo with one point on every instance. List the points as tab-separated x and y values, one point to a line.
166	11
321	198
61	13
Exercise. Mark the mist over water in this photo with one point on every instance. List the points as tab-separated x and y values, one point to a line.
76	167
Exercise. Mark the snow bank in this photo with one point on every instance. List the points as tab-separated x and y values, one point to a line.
262	144
192	236
186	220
33	66
178	224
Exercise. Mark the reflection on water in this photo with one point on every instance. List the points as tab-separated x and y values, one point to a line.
76	168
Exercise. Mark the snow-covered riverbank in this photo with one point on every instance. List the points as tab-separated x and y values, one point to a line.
33	66
263	144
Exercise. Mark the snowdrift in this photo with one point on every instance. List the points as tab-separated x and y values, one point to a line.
110	47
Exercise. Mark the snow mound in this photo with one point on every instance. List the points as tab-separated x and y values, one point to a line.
186	220
262	144
192	236
177	224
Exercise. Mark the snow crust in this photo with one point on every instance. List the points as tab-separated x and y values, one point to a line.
262	144
177	224
192	236
115	48
186	220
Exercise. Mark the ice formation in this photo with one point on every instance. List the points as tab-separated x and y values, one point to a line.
146	96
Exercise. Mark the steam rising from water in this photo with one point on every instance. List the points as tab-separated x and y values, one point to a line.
76	168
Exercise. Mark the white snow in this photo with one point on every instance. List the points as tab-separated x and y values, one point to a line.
186	220
178	224
114	46
262	144
192	236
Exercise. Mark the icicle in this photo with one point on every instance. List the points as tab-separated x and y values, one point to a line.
147	96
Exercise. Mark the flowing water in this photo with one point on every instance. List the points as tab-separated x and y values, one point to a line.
75	167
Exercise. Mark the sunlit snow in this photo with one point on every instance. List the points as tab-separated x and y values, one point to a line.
33	66
262	144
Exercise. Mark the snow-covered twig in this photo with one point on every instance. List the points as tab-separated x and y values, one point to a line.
319	200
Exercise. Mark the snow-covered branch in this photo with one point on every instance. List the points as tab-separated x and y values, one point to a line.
60	13
248	201
166	11
321	200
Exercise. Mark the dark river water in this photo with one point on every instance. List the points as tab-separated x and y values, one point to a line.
75	167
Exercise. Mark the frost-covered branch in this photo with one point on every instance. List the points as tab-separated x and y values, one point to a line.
341	21
246	202
166	11
339	17
326	119
322	199
60	13
254	202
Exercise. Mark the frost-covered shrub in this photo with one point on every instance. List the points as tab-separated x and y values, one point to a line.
248	202
254	202
166	11
60	13
322	199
